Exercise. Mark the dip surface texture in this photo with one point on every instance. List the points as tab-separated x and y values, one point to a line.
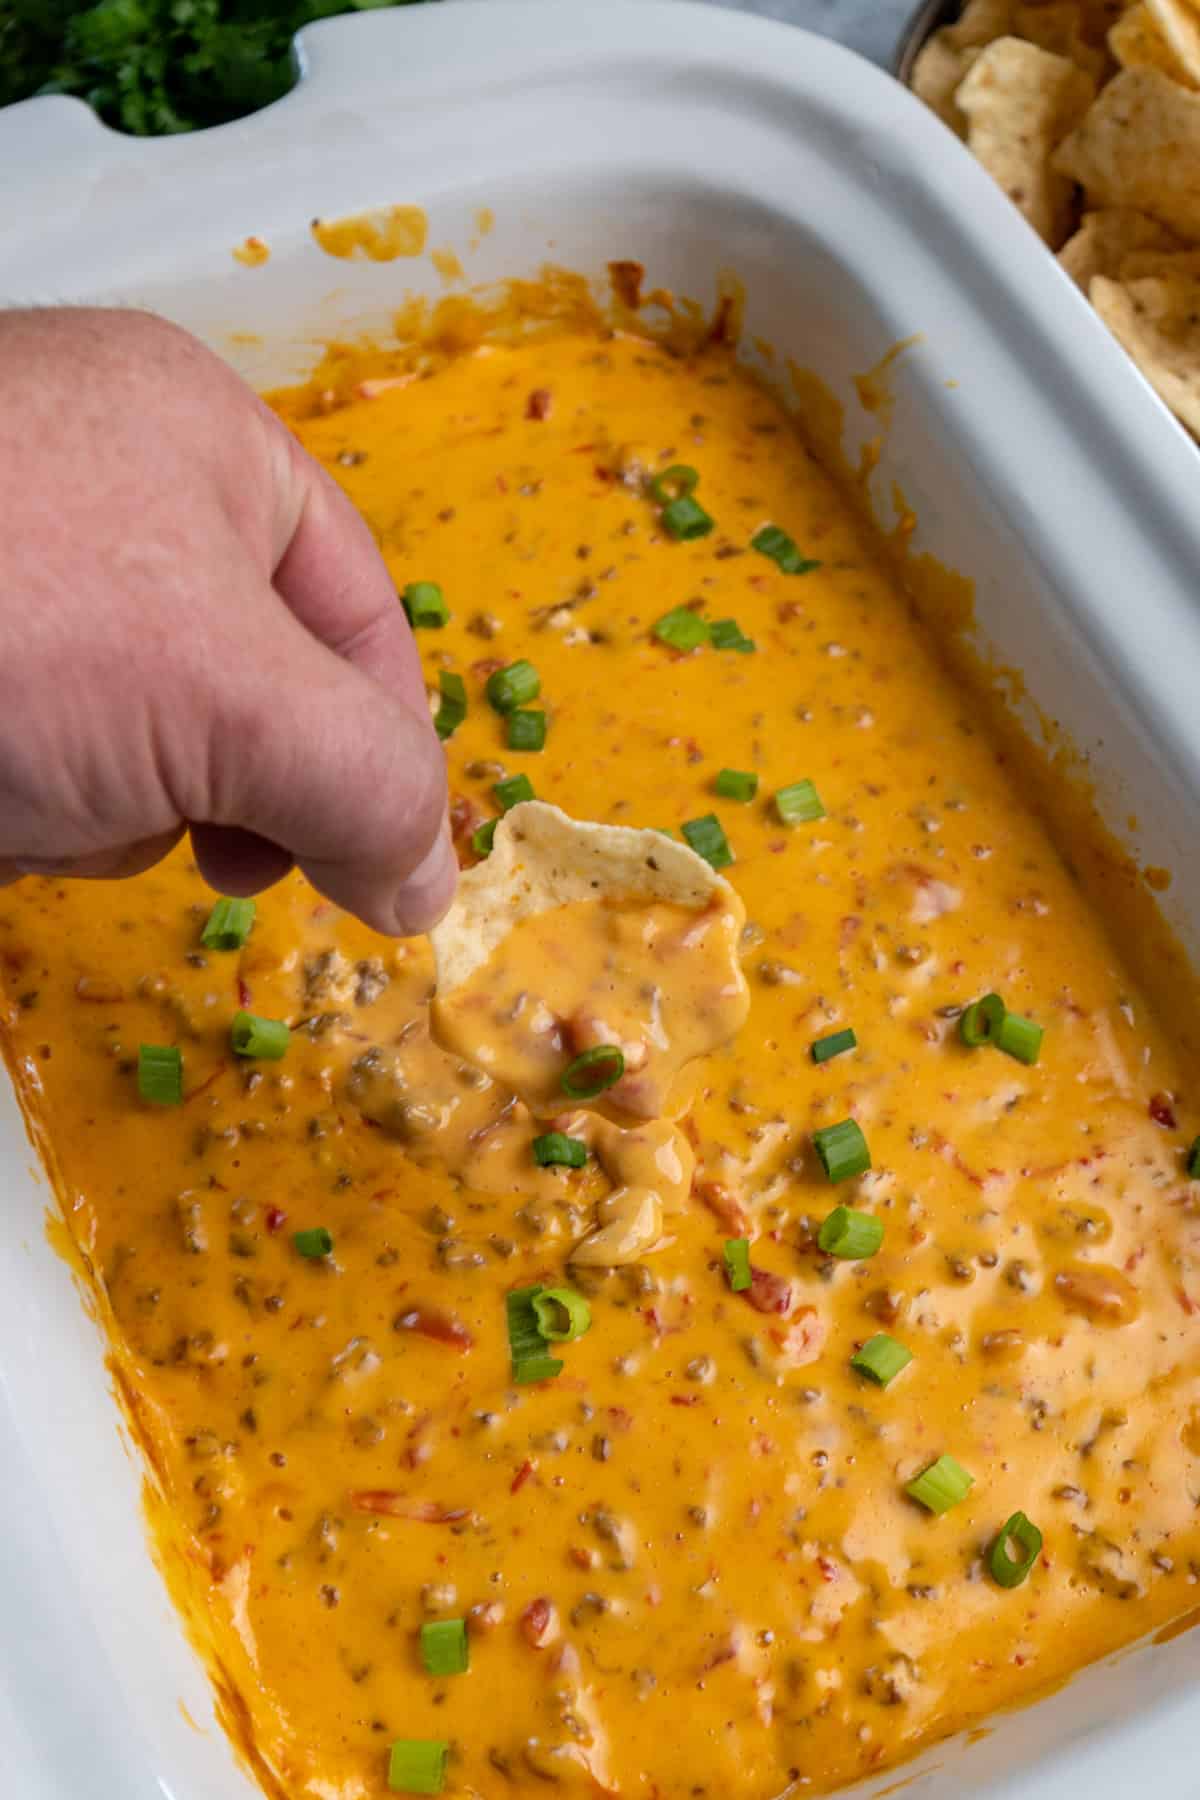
688	1564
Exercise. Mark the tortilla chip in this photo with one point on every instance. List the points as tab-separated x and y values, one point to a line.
541	859
1180	27
1158	323
1099	17
948	54
1106	239
1137	43
1020	102
1168	265
1058	27
937	75
1139	146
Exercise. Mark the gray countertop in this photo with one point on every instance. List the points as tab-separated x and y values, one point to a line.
872	27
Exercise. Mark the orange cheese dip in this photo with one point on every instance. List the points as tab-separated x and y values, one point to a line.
688	1566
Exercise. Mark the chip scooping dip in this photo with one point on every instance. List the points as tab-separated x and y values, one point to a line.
586	964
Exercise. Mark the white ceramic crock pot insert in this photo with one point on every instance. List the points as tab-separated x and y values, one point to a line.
1037	462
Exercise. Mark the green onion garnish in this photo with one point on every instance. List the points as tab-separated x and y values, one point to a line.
1010	1571
799	804
681	628
727	634
481	837
979	1022
843	1150
1193	1161
737	1263
542	1367
708	840
776	544
422	601
834	1045
160	1074
556	1147
524	1333
228	925
417	1766
988	1021
736	784
514	686
453	708
313	1243
252	1036
881	1358
685	518
594	1071
444	1648
526	730
1019	1037
562	1314
538	1316
511	791
942	1485
851	1235
674	482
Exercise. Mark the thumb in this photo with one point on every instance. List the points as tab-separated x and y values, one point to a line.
314	755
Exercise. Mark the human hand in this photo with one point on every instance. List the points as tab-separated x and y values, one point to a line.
196	631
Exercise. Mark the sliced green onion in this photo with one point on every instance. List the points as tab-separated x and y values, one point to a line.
776	544
1019	1037
737	1263
834	1045
685	519
1193	1161
851	1235
727	634
1010	1571
514	686
524	1333
736	784
453	708
444	1649
417	1766
980	1021
160	1073
593	1072
526	730
252	1036
842	1149
537	1368
799	804
481	837
942	1485
881	1358
313	1243
424	605
708	840
679	479
681	628
228	925
555	1147
562	1314
511	791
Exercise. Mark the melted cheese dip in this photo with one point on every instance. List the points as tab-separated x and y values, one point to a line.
688	1565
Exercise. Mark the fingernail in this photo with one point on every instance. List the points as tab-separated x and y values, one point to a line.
429	889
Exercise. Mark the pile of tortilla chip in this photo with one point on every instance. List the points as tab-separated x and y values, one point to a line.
1087	112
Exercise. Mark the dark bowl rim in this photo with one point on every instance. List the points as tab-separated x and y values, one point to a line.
923	23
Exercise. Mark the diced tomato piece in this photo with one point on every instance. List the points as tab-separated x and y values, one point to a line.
431	1322
769	1293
